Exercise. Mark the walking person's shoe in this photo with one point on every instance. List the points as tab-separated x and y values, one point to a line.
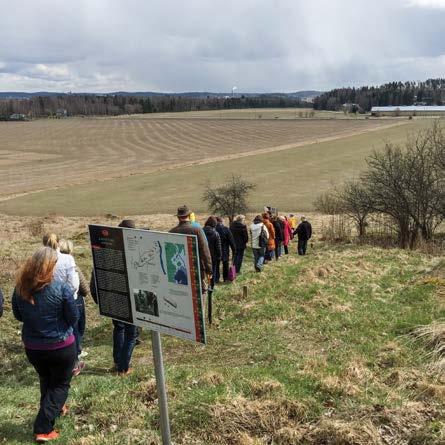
78	368
125	373
43	438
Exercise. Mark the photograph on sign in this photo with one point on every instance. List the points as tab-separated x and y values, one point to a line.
156	274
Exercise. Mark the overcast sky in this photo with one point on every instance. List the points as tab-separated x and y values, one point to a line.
213	45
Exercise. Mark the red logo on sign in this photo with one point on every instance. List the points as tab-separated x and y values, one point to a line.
105	232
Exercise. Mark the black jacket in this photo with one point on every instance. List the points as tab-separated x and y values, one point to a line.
214	242
227	241
279	230
240	235
304	230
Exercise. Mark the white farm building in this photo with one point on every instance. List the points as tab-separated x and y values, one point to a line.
409	110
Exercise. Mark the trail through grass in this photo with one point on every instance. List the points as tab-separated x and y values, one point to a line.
320	352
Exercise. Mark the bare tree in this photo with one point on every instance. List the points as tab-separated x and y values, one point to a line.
230	198
328	203
356	202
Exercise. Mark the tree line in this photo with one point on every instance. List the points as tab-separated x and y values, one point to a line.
430	92
406	184
114	105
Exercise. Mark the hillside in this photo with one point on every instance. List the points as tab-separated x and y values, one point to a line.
321	352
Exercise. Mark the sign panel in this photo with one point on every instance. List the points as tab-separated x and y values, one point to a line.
149	279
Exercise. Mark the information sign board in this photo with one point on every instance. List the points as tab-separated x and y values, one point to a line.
149	279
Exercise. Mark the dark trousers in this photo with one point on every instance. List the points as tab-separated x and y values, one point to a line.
79	327
55	373
124	341
302	246
225	264
286	250
238	259
277	249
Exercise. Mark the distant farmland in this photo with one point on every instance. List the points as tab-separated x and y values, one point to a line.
155	164
46	154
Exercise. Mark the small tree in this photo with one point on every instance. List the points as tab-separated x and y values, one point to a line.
355	201
328	203
230	198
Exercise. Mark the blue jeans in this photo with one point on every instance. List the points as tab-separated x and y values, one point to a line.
238	259
124	340
258	258
79	327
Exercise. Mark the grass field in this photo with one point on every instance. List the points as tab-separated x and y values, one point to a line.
289	176
321	352
255	113
45	154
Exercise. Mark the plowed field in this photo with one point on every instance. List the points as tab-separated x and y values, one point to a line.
47	154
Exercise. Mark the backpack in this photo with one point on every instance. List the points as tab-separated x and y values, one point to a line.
262	239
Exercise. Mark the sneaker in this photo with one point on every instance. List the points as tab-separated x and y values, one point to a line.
78	369
83	354
42	438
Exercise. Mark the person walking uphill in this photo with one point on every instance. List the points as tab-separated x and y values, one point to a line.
227	244
241	238
184	226
260	236
47	309
304	233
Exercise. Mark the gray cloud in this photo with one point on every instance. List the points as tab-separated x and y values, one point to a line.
258	45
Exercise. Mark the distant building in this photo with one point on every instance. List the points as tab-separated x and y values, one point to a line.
61	113
17	117
409	110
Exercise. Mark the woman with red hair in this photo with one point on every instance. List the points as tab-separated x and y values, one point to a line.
47	309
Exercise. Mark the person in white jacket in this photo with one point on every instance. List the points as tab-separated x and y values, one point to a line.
259	236
66	266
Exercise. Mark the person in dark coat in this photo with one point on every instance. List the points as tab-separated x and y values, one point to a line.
304	233
227	244
214	242
241	238
279	235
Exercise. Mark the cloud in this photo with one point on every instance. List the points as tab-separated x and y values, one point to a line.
258	45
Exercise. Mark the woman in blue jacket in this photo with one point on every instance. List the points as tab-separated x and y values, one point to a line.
48	312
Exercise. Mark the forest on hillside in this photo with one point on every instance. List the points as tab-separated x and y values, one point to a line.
430	92
114	105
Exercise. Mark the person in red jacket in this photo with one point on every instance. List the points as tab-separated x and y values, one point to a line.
287	235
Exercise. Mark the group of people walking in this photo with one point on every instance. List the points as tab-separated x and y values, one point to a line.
49	297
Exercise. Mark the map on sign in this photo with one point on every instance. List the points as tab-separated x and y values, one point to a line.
150	279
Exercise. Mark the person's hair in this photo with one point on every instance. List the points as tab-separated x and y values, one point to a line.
211	221
240	218
257	219
219	219
127	223
36	273
66	246
51	240
266	216
303	218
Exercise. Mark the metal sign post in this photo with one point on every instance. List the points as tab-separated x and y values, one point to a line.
160	387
